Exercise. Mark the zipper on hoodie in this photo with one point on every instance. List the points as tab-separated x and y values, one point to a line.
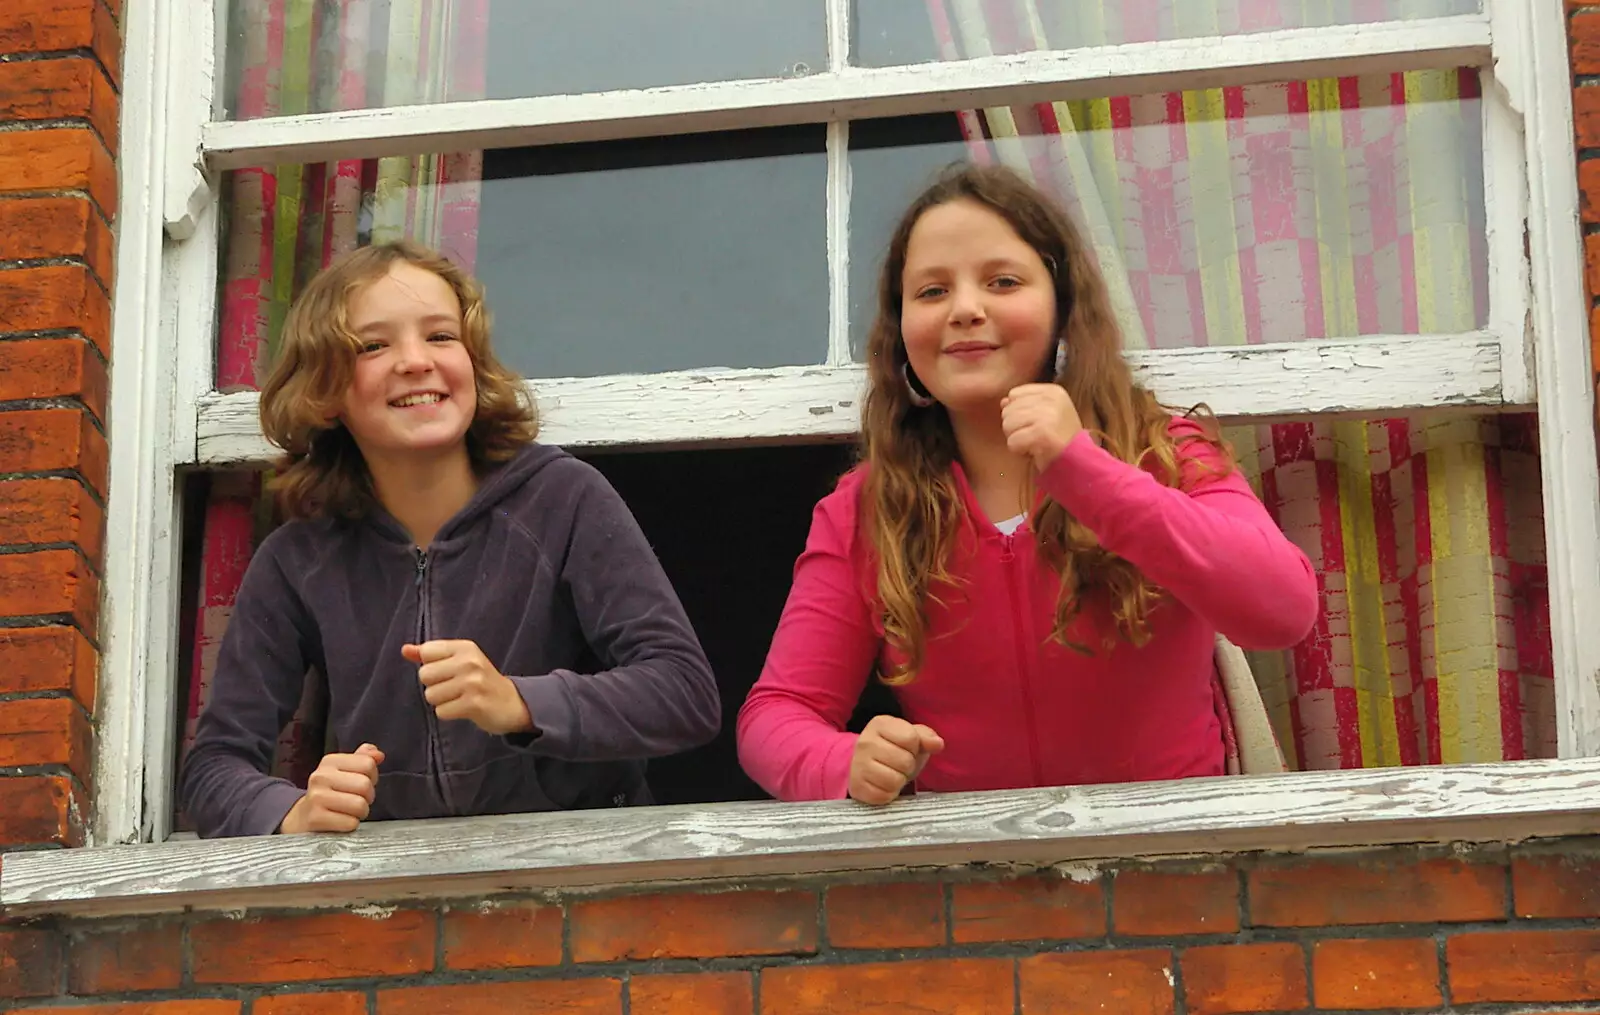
435	749
1019	615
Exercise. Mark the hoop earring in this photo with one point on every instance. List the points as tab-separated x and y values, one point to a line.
1061	357
914	390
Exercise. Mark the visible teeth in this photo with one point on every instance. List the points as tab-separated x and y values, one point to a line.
427	398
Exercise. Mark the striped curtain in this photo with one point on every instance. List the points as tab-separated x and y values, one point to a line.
1287	212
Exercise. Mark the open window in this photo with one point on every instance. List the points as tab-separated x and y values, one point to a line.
1342	226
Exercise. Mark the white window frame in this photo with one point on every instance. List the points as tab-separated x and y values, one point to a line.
165	415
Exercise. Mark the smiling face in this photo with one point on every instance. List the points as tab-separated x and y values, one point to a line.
413	389
977	309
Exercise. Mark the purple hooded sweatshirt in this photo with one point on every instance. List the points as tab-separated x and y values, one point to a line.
545	569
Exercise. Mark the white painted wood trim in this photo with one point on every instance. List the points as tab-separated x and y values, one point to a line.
839	214
1505	193
855	92
189	86
1359	376
1566	382
726	842
138	616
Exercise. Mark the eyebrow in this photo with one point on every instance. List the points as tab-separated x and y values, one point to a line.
382	326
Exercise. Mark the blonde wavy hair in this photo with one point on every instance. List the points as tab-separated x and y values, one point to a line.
911	511
322	472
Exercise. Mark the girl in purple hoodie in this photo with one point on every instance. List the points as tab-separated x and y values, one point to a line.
495	632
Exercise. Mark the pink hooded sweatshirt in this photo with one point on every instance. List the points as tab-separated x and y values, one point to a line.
1015	708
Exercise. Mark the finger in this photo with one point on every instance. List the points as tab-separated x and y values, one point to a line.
433	651
884	778
327	821
457	708
862	793
443	693
411	653
897	758
438	672
360	764
342	803
897	732
371	751
932	743
354	783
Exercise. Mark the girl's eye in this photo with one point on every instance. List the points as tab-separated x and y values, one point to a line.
371	346
442	336
931	291
1007	282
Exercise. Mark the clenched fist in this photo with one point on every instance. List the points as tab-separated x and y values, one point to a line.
339	793
889	753
1039	421
461	683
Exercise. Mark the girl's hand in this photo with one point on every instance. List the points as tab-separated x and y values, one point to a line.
1039	421
339	793
889	753
461	683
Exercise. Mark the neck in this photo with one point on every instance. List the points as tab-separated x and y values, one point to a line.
423	492
1000	479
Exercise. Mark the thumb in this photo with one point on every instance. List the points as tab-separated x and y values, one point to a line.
932	743
412	653
371	751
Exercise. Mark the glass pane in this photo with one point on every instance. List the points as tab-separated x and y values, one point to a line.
312	56
887	33
1270	213
618	257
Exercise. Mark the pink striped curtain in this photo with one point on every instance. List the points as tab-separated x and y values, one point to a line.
1288	212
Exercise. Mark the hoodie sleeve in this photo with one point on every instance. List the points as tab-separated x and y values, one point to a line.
1212	544
260	673
658	697
792	736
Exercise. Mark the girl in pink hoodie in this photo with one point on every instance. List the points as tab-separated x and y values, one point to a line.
1034	553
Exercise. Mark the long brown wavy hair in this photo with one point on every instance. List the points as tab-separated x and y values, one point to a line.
911	510
323	473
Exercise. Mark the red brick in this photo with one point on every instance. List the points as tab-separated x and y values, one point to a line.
48	659
39	440
146	957
331	1003
41	809
49	26
70	87
1376	973
1382	889
1589	190
1556	886
1163	903
45	731
694	925
1586	114
905	915
30	963
943	987
1585	32
1221	979
325	946
149	1007
504	937
1527	965
48	582
32	228
537	997
51	510
1026	909
53	368
1128	983
1591	258
692	994
55	297
58	158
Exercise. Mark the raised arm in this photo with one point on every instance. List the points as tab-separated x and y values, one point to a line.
1212	545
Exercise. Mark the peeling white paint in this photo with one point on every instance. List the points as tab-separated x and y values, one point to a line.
374	911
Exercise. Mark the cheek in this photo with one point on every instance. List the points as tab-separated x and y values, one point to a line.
921	332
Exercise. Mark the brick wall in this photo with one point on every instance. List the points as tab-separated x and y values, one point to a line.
1391	930
58	195
1584	18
